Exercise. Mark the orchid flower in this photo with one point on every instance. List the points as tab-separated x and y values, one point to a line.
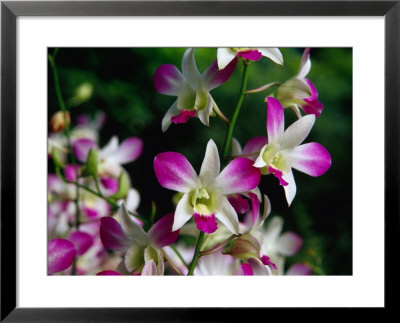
96	256
88	130
216	264
112	156
205	195
226	55
279	246
248	246
143	250
284	152
191	88
300	92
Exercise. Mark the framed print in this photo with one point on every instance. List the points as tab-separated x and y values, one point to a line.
160	158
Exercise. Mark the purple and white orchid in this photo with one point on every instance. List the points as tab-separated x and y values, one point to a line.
300	92
143	250
191	88
284	150
111	156
205	195
279	246
226	55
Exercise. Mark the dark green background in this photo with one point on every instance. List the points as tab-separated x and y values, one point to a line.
122	79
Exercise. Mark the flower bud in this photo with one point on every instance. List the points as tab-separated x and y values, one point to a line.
91	162
293	91
55	154
244	247
123	186
83	93
59	121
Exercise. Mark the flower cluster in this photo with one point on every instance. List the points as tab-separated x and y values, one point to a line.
94	227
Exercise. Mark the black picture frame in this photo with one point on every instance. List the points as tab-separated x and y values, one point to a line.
11	10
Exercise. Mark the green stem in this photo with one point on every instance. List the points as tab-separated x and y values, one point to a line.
196	254
178	254
96	182
231	126
112	203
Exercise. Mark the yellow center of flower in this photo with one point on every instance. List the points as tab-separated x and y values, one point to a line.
274	158
203	202
242	49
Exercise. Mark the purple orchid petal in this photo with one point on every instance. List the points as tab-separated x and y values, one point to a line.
255	208
82	241
90	212
81	148
299	270
254	145
161	233
183	116
108	273
110	184
240	204
251	54
311	158
205	223
312	105
111	234
239	176
214	77
267	262
61	254
173	171
289	243
129	150
278	174
247	270
275	119
71	172
168	80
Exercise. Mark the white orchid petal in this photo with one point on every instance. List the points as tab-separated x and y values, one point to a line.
297	132
149	268
290	189
260	163
236	147
305	64
132	200
273	54
224	57
183	212
131	228
189	68
204	114
273	230
171	112
228	216
211	164
109	149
